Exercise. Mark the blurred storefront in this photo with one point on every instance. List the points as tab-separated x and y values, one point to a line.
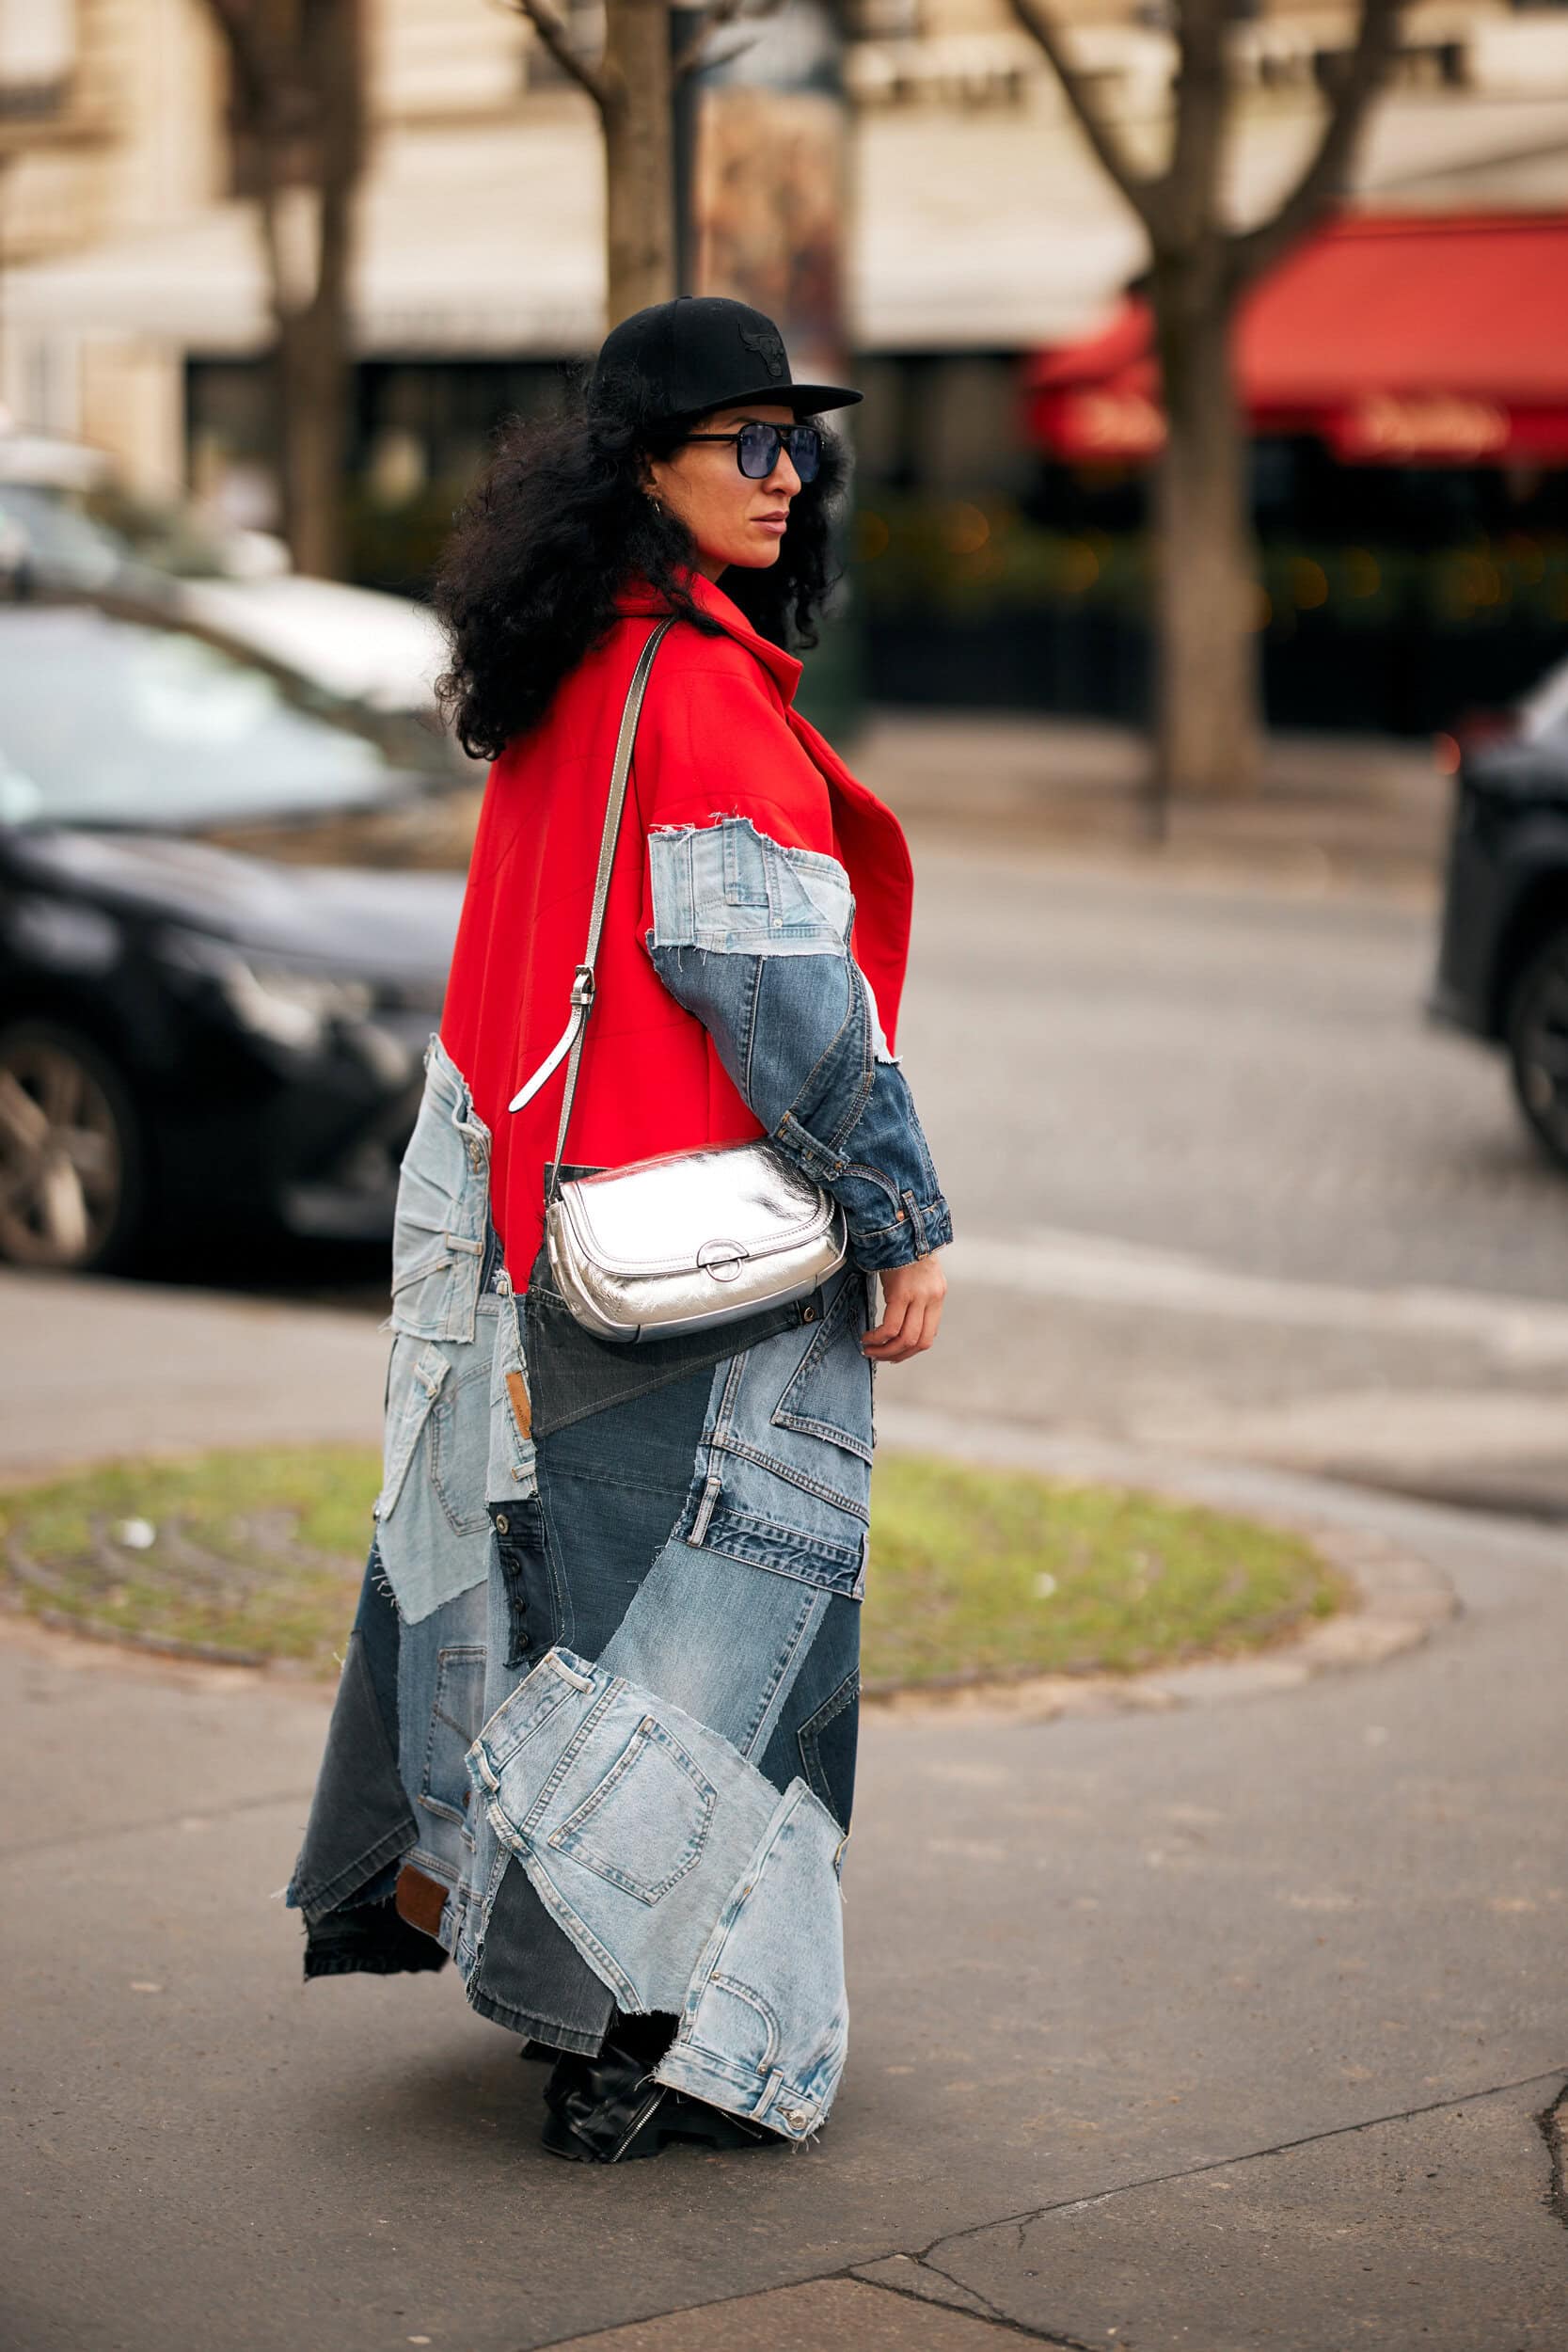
994	559
1406	381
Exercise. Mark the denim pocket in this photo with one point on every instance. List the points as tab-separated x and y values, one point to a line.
455	1717
644	1826
432	1527
442	1205
828	1393
784	1477
437	1400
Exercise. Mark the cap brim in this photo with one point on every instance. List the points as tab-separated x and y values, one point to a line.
807	400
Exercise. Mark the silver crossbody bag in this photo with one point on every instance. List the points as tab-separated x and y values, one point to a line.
687	1240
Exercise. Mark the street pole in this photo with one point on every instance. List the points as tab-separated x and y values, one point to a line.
686	98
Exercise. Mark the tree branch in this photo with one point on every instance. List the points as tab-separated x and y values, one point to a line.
552	31
1323	180
1107	145
694	53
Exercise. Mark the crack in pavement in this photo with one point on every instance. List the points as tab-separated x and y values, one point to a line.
1550	2120
1552	2123
1052	2337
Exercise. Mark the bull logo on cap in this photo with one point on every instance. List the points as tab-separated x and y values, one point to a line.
768	345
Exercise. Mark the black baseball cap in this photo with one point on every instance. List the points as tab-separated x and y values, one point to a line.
699	352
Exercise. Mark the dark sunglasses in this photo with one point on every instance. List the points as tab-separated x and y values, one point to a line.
758	447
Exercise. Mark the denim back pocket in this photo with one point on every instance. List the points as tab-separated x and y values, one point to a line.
455	1717
644	1825
784	1473
443	1204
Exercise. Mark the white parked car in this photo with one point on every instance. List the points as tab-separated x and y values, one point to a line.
63	513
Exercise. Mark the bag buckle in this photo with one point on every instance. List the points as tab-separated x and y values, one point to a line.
582	985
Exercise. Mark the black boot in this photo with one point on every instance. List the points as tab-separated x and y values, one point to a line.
609	2110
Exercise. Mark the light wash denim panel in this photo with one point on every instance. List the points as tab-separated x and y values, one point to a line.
752	938
442	1691
783	1475
453	1443
687	1882
443	1209
360	1822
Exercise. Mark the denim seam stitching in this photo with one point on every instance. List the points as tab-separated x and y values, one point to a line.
753	2001
803	1632
568	1758
796	1478
444	1658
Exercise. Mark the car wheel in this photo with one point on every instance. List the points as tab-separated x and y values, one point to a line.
1537	1034
71	1159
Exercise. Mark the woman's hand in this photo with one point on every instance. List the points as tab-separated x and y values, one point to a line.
911	1310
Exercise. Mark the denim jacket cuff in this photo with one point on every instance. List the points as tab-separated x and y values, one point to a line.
918	1229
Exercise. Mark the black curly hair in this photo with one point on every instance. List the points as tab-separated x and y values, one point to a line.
559	521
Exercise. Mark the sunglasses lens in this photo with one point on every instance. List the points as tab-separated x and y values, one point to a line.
805	448
759	450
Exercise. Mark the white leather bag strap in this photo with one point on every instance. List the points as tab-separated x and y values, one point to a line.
570	1040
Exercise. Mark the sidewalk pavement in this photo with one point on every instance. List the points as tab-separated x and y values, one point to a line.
1231	2027
1346	808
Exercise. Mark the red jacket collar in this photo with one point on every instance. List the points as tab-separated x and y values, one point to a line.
640	596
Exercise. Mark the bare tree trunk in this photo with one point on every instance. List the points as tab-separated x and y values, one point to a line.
1208	711
1208	723
298	68
638	186
313	373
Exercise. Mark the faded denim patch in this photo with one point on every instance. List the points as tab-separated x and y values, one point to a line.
734	891
442	1209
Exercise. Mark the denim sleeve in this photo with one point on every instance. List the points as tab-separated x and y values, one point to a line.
753	938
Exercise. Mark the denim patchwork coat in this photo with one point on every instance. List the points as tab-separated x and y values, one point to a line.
595	1738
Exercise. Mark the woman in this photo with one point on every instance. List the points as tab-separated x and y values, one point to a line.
595	1739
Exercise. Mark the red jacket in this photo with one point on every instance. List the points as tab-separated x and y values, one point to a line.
719	736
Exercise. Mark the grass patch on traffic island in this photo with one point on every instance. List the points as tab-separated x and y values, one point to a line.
975	1574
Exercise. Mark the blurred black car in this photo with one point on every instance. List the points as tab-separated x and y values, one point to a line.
1502	967
191	1035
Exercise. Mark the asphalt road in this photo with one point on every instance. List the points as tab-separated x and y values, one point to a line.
1218	1186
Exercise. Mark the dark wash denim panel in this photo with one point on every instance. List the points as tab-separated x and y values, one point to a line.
360	1825
816	1736
753	938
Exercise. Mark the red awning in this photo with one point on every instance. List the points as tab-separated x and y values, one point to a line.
1436	339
